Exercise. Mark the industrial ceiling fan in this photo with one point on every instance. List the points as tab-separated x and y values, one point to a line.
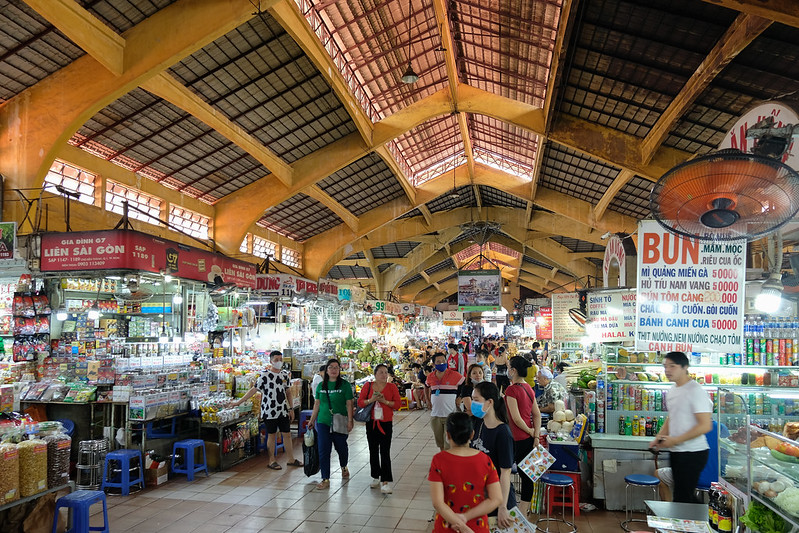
729	194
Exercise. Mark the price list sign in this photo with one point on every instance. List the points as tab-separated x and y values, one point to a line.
568	322
611	315
690	292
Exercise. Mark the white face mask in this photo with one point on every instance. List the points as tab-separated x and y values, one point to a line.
277	365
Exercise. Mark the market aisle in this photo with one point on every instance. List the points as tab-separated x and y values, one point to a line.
251	498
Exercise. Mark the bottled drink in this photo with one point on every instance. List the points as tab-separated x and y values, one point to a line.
725	513
648	426
711	504
622	422
628	426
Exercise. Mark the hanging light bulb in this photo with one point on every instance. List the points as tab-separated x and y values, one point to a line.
770	297
177	299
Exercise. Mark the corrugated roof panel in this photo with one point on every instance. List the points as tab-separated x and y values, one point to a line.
356	255
349	272
122	15
576	245
445	202
446	263
536	262
30	49
394	250
363	185
633	199
629	59
575	173
412	279
495	197
260	78
299	218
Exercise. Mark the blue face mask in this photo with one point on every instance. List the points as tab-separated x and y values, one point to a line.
477	409
441	367
460	350
481	363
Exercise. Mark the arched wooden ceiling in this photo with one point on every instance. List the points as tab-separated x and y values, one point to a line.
550	117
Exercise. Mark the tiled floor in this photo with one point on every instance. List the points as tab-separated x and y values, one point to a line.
251	498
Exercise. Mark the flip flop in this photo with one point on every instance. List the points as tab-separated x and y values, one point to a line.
275	466
295	462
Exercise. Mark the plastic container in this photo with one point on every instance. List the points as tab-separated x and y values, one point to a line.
32	467
9	473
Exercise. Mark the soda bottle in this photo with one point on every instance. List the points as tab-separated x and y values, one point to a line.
628	426
622	423
724	513
649	426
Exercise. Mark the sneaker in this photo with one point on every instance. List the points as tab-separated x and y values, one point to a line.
345	473
375	483
386	489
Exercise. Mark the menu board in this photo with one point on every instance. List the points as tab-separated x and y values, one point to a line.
611	315
568	321
690	292
543	319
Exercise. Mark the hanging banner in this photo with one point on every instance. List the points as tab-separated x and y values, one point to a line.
529	326
357	295
328	290
344	294
568	321
132	250
375	306
276	285
453	318
543	322
479	290
690	292
8	239
611	316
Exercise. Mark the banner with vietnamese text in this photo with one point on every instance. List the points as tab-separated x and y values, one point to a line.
690	292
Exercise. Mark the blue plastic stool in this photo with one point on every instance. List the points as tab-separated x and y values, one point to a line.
633	481
124	481
188	466
69	425
79	503
302	425
558	480
263	438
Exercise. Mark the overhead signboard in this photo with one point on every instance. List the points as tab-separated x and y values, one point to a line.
543	323
453	318
479	290
327	290
132	250
611	316
690	292
568	321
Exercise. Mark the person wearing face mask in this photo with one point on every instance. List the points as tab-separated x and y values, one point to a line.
480	359
475	376
276	410
457	359
493	437
501	371
386	399
524	419
443	383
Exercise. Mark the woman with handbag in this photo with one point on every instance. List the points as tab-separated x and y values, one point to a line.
493	437
524	420
382	399
332	416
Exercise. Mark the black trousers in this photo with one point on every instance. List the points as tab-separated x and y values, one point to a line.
521	449
686	467
380	449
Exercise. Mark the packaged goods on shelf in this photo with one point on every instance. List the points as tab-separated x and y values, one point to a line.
59	445
9	473
32	467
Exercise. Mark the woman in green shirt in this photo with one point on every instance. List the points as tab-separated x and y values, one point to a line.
333	396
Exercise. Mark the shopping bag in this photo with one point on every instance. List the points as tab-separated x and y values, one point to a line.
520	523
310	455
536	463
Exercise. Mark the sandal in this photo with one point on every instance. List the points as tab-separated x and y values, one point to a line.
345	473
322	485
275	466
295	462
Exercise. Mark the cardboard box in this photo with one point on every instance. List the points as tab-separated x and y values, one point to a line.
156	473
212	455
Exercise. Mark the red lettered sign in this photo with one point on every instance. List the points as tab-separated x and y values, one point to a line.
125	249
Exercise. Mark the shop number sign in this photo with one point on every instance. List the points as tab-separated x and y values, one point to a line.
690	292
380	307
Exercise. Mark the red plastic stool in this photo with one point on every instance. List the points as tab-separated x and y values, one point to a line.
561	497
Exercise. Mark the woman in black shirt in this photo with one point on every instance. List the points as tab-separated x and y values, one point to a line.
493	437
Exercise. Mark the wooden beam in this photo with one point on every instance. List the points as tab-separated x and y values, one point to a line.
171	90
426	214
405	183
743	31
288	15
315	192
782	11
618	184
84	29
478	198
558	52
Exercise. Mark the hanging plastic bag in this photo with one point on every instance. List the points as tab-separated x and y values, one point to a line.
310	454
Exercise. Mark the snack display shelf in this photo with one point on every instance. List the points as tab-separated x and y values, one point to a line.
68	486
668	384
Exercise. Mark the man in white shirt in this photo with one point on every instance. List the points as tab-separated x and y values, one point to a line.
317	379
683	433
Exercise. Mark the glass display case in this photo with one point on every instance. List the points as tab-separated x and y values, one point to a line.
759	460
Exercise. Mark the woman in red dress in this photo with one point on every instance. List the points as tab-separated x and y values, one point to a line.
464	485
